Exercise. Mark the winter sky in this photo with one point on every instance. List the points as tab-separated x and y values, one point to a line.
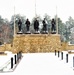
65	8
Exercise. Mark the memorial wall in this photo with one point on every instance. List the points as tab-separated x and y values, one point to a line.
32	43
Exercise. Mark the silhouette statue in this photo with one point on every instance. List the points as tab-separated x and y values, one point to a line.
19	25
27	24
36	25
53	25
44	25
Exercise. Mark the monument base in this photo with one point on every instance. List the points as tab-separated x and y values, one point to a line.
36	43
28	32
20	32
37	32
53	32
44	32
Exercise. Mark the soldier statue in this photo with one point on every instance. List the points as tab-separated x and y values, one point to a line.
44	25
19	25
27	24
36	25
53	25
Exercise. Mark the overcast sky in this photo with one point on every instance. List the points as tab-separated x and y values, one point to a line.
65	8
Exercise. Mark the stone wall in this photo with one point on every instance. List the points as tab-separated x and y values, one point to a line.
2	48
69	47
5	47
36	43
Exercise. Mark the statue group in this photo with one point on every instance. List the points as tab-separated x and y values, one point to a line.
36	25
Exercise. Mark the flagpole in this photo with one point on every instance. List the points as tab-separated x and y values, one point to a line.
56	21
14	21
35	9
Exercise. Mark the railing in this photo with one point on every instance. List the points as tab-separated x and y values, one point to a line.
5	65
10	65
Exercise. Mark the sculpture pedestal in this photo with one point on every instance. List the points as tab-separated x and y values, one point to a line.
28	32
20	32
36	43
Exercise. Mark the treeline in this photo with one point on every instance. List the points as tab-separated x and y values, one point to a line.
7	27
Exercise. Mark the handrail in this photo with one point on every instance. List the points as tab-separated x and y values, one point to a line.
4	65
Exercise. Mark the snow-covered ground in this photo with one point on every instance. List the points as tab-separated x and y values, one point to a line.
41	64
5	61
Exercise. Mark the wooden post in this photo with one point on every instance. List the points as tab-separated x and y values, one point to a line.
58	53
11	63
66	58
61	55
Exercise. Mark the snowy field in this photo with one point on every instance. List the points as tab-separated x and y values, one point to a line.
41	64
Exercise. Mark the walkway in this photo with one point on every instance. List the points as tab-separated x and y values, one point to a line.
41	64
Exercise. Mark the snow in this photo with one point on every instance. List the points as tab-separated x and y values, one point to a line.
41	64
